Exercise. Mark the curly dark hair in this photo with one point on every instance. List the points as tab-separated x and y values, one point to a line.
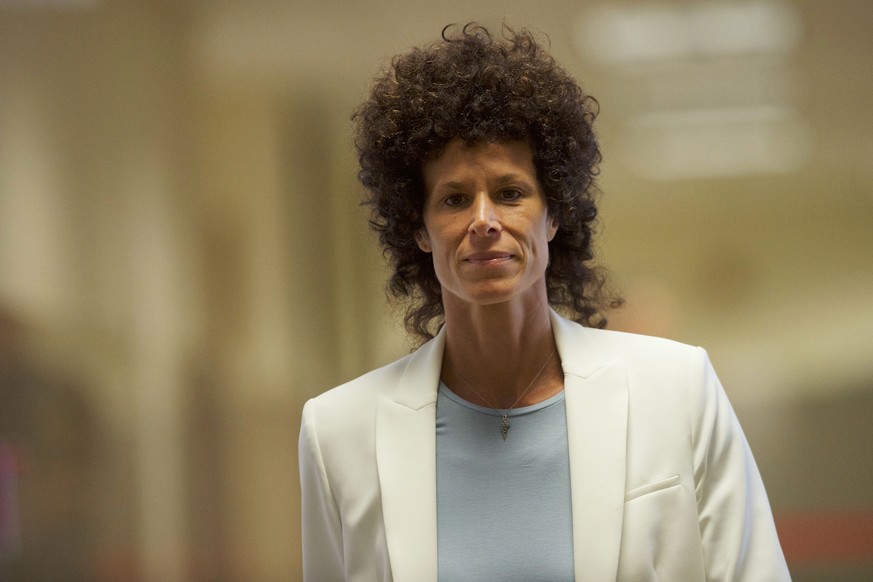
473	86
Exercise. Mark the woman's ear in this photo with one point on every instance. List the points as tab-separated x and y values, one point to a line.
422	240
553	227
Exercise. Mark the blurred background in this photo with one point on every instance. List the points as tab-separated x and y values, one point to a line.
183	259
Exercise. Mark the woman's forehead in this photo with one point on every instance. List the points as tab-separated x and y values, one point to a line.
460	155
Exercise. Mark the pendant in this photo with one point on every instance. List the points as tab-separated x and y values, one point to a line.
504	427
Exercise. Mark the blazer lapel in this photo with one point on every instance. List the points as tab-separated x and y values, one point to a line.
406	462
595	392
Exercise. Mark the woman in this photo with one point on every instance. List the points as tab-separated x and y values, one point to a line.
515	444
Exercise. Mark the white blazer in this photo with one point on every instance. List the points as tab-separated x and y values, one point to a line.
663	483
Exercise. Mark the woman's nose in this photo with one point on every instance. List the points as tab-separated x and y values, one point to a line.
485	217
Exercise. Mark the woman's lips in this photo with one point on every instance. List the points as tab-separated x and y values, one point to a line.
489	258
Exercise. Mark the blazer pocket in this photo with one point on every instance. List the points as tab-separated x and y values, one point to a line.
651	488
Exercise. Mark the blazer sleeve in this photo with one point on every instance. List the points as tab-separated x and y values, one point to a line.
321	525
736	525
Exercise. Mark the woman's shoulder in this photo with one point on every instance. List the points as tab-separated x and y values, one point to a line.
343	418
622	342
363	391
661	374
625	346
654	357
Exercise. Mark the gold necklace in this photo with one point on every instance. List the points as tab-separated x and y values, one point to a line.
504	422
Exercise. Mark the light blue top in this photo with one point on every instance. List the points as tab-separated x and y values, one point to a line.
503	507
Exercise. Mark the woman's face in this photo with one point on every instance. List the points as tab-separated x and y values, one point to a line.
486	222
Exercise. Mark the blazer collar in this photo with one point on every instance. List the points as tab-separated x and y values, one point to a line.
596	399
418	385
580	352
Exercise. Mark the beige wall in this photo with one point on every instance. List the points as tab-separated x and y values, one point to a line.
183	262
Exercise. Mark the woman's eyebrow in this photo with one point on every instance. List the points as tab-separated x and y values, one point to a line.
506	178
453	185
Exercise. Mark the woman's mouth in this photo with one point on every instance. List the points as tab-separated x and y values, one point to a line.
488	258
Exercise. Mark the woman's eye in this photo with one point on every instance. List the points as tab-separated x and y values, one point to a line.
454	200
511	194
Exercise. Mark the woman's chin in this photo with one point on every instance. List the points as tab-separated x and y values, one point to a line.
491	293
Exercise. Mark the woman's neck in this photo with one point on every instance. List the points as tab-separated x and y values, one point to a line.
494	353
